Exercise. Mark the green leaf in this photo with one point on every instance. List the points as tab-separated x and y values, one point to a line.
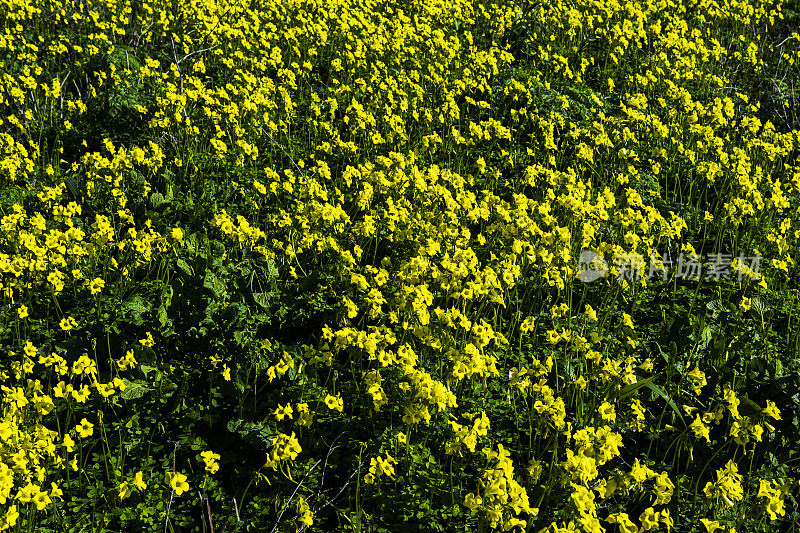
272	269
663	354
136	306
195	244
241	337
146	369
263	298
759	306
213	283
720	306
73	189
156	199
162	316
166	296
629	389
661	392
673	350
191	243
705	337
183	265
134	389
748	407
776	368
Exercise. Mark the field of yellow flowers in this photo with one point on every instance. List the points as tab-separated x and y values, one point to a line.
392	266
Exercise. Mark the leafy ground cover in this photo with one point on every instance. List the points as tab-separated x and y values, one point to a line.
399	266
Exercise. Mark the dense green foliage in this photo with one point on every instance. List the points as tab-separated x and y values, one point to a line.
276	266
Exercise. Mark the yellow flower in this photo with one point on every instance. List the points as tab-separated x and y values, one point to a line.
700	429
96	285
82	394
728	486
22	311
667	520
379	465
733	402
627	320
226	373
124	490
56	280
771	410
607	412
210	459
334	402
745	303
527	324
306	515
664	488
138	480
472	501
583	499
624	522
711	525
649	519
148	340
30	350
84	365
177	234
85	429
127	361
284	447
639	472
305	417
283	412
41	500
177	482
774	504
698	378
69	444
